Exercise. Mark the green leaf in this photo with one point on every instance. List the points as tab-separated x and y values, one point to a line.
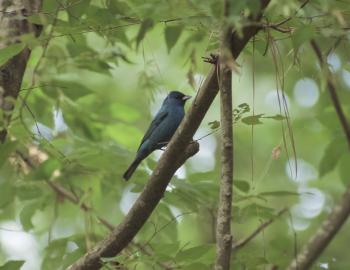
258	210
12	265
214	124
26	215
244	107
78	47
94	65
123	112
146	25
302	35
253	262
255	119
119	7
70	258
261	46
196	266
10	51
166	250
7	192
238	112
54	253
252	120
137	188
277	117
172	34
5	150
254	6
97	16
71	89
343	169
279	193
28	191
193	254
194	38
77	9
333	152
237	8
41	19
241	185
45	170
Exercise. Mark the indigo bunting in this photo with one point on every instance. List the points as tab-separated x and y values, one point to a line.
161	129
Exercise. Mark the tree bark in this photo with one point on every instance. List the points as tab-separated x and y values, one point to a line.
13	24
178	150
223	222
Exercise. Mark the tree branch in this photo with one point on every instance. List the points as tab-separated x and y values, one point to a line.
176	153
11	73
335	220
331	89
324	235
223	221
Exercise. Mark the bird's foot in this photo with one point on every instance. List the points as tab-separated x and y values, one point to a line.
212	59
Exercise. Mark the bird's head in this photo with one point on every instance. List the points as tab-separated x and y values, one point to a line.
176	97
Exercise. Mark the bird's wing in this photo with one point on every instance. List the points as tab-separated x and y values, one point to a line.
155	123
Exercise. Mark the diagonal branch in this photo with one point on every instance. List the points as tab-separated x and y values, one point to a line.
332	91
335	220
178	150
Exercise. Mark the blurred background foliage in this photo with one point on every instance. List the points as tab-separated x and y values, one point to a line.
97	75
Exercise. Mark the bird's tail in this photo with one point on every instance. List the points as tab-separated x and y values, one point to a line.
129	172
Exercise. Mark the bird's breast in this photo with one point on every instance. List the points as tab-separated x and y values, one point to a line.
163	133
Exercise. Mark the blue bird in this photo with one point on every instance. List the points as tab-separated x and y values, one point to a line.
161	129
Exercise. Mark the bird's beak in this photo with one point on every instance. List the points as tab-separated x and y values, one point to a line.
184	98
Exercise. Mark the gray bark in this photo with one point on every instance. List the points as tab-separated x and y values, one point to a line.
13	24
223	223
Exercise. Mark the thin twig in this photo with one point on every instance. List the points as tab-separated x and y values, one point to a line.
295	13
240	244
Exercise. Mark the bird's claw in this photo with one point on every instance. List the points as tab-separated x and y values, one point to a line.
212	59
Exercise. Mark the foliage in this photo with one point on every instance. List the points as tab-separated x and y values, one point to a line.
101	69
